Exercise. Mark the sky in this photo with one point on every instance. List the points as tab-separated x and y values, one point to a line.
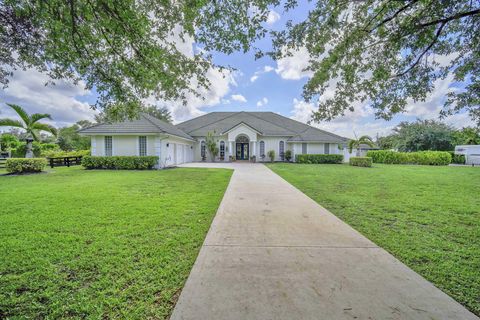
253	85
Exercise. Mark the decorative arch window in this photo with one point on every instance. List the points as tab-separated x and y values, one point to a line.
222	149
262	149
281	150
202	149
242	139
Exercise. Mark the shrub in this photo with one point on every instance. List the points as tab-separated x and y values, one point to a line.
24	165
60	153
457	158
361	161
319	158
271	155
288	155
435	158
120	162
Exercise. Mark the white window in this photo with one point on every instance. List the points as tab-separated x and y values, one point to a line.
142	146
108	146
326	148
281	150
304	148
262	149
222	149
202	150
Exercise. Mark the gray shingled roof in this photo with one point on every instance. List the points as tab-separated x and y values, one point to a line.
145	124
268	123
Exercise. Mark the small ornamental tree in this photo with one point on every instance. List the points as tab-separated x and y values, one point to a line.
288	155
271	155
31	125
355	144
211	145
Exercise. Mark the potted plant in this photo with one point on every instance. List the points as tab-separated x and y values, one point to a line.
288	155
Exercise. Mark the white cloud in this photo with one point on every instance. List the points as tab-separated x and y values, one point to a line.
360	121
262	102
293	67
265	69
434	102
220	85
268	68
27	89
238	97
272	17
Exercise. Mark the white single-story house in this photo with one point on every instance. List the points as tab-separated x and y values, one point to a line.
239	135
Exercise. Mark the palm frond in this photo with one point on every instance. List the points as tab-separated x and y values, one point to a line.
39	116
21	112
11	123
44	127
34	134
366	140
352	144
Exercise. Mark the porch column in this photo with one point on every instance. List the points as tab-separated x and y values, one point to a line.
230	147
254	153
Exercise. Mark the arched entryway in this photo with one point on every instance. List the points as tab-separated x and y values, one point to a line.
242	147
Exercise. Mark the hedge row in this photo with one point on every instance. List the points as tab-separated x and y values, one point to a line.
25	165
319	158
457	158
435	158
361	161
120	162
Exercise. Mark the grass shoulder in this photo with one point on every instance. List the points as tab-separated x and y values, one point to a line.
427	216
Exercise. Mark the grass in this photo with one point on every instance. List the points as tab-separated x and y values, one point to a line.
102	244
428	217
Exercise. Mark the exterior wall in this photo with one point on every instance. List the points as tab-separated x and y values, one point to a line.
271	143
125	145
197	155
121	145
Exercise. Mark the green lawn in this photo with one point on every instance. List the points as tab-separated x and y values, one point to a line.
102	244
428	217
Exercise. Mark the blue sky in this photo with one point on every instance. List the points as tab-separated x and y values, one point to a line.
255	85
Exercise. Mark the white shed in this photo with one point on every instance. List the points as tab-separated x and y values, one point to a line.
471	153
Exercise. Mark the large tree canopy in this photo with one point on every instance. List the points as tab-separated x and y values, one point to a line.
387	52
381	51
126	50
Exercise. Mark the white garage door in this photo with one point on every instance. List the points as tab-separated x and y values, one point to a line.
180	154
170	154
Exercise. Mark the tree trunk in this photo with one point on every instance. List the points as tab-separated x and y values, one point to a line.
358	151
29	153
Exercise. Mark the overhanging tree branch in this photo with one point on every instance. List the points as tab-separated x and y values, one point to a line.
432	43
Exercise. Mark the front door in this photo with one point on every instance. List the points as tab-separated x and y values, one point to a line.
242	151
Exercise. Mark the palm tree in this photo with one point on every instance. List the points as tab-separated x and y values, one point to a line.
355	144
30	124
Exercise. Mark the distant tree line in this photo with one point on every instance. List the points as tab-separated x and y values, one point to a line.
427	135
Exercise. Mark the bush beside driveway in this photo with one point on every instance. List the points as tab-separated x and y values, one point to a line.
428	217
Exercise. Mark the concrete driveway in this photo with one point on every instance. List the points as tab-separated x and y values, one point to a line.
273	253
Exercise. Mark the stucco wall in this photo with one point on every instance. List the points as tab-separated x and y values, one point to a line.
272	143
121	145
